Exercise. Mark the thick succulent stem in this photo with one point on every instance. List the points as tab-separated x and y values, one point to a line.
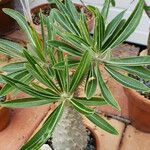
70	133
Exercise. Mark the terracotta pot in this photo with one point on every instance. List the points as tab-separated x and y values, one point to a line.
139	110
7	24
36	10
4	115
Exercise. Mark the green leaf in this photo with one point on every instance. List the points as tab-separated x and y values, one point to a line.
105	9
130	24
94	101
99	31
38	45
130	61
72	9
80	71
11	48
13	67
36	70
103	124
105	91
27	89
21	21
65	48
45	132
127	81
107	42
26	102
81	108
112	26
91	83
84	29
22	76
61	65
138	70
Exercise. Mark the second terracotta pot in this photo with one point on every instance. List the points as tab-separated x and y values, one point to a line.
7	24
139	110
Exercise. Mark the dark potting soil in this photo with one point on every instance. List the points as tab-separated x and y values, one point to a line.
45	9
147	83
91	145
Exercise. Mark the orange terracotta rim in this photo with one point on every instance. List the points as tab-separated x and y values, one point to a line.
139	99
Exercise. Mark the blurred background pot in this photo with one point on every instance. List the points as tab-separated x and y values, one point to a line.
7	24
46	8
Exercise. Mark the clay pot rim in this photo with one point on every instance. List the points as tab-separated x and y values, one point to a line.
136	94
139	101
35	9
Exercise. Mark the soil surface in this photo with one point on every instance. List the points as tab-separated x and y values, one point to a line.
45	9
91	145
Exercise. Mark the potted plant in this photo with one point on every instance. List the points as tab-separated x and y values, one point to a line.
4	113
8	24
45	60
139	103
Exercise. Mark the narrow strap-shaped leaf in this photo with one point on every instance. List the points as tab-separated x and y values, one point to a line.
102	123
72	9
42	89
12	75
38	45
81	108
91	83
99	32
65	47
13	67
61	65
105	9
106	43
127	81
39	72
21	21
130	61
138	70
80	71
112	26
94	101
46	130
27	89
11	48
130	25
23	76
84	29
26	102
105	91
62	20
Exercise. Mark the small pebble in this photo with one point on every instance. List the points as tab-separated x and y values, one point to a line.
45	147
